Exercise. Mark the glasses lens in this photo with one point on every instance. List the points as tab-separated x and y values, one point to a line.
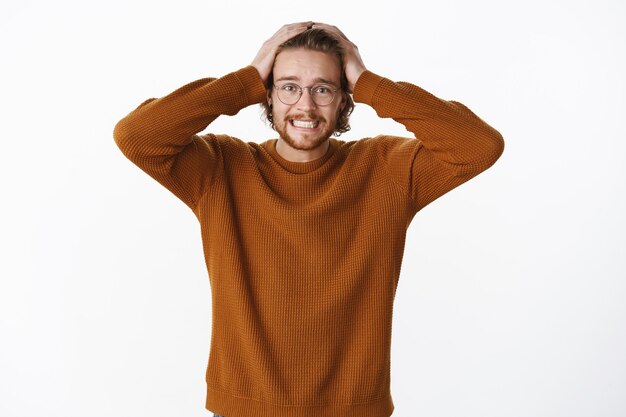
290	94
322	95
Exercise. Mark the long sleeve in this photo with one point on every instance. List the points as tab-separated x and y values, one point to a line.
453	144
161	135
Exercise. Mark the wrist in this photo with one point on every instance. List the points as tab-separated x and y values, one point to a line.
356	77
365	87
252	83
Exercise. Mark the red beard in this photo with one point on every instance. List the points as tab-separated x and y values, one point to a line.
315	139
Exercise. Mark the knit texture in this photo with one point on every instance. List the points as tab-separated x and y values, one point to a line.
304	257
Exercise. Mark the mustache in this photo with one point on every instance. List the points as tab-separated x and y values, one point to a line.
305	116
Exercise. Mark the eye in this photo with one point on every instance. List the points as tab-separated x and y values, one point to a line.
290	88
321	89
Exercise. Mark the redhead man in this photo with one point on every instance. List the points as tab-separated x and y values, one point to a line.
304	234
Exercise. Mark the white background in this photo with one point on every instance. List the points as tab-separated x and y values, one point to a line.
511	298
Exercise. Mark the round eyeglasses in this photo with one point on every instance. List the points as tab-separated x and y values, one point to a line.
290	94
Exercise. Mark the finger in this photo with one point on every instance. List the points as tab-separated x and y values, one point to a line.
332	29
290	28
298	26
289	31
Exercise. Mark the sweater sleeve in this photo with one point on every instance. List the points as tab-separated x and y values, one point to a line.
453	144
161	135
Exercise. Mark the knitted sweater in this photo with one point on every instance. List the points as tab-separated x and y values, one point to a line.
304	257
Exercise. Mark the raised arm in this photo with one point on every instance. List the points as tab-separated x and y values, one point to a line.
161	135
452	146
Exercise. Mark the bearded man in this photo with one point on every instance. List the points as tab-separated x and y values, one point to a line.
304	234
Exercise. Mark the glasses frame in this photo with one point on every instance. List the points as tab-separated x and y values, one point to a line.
300	92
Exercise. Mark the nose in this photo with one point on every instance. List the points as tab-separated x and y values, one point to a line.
306	101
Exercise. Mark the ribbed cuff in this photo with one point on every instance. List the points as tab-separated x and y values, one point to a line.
252	83
365	87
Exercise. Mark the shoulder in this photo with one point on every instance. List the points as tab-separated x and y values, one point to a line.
235	151
384	145
224	142
394	153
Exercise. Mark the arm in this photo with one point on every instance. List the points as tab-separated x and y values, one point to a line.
452	144
160	136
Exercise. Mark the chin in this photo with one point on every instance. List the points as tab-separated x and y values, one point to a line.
304	142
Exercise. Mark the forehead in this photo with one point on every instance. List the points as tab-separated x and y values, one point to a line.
305	66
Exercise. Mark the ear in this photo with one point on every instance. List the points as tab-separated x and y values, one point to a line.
344	101
269	97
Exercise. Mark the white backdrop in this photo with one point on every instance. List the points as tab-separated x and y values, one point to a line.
511	298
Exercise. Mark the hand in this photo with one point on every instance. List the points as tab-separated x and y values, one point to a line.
264	60
353	63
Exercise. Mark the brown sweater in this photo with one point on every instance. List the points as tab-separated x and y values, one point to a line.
304	257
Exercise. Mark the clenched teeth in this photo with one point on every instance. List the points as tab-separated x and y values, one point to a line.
306	124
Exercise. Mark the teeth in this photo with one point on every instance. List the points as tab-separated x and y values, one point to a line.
302	123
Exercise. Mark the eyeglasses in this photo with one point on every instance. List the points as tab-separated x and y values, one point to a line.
290	93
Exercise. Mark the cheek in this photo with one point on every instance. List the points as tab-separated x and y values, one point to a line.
278	112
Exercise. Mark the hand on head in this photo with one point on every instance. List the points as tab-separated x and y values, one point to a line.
353	64
264	60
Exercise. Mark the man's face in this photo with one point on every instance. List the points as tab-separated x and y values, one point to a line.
313	124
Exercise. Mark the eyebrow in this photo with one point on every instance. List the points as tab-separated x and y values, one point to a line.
315	81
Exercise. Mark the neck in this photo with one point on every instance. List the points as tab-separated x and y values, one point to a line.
300	155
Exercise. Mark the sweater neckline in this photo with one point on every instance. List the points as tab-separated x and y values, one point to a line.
300	167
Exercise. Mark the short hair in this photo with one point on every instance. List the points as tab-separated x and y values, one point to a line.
322	41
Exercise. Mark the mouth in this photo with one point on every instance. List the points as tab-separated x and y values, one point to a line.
304	124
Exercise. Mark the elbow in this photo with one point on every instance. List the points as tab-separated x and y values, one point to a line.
127	133
492	149
486	143
124	138
121	134
497	146
487	149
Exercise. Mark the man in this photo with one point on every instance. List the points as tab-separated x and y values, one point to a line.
304	234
